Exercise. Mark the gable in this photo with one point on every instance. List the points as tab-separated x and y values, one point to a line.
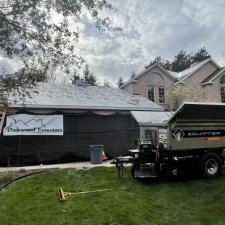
214	76
153	68
201	73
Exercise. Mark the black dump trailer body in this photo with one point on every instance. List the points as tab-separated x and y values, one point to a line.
194	133
116	132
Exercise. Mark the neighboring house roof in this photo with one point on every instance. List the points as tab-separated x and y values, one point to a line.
175	76
68	96
151	118
181	76
213	76
134	79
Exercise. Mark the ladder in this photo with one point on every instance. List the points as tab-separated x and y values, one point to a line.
2	119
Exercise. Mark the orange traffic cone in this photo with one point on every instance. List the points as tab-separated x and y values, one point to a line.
103	156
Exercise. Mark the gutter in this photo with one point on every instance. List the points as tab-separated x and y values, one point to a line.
35	106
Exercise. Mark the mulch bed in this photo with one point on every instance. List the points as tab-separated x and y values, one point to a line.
8	177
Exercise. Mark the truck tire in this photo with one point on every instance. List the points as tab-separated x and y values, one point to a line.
211	165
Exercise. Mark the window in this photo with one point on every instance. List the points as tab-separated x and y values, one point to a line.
155	79
152	136
222	91
161	95
156	82
222	80
151	94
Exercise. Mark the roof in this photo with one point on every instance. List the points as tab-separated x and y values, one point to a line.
144	118
199	111
68	96
189	71
213	76
133	80
176	76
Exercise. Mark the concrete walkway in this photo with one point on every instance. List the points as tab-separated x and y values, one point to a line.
76	165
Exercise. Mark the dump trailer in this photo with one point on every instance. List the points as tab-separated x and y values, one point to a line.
194	133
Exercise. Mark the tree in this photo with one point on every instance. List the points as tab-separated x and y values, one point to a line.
106	83
40	32
177	93
167	65
21	81
181	61
164	63
201	55
120	82
89	77
75	77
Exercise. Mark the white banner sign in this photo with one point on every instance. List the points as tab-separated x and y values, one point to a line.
24	124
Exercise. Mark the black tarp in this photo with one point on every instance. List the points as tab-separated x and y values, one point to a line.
116	132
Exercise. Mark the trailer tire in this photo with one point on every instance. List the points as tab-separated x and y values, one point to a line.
211	165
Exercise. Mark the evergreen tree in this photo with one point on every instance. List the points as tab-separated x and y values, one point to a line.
201	55
181	61
164	63
106	83
89	77
120	82
75	77
167	65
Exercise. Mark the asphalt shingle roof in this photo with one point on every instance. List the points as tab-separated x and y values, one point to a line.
55	95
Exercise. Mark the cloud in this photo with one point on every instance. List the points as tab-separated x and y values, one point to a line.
154	28
151	28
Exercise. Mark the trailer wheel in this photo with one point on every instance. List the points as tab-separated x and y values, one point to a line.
211	165
135	167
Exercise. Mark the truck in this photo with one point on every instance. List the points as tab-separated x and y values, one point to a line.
195	133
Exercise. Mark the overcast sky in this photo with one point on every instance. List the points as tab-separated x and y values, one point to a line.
152	28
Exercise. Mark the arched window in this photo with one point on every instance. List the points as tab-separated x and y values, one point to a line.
155	79
156	90
222	88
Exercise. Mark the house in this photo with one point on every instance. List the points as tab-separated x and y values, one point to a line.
58	122
152	83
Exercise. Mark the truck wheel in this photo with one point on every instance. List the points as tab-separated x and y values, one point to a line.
134	168
211	165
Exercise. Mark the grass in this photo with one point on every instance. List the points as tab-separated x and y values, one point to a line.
34	201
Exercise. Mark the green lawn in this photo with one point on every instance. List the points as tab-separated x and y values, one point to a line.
34	200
